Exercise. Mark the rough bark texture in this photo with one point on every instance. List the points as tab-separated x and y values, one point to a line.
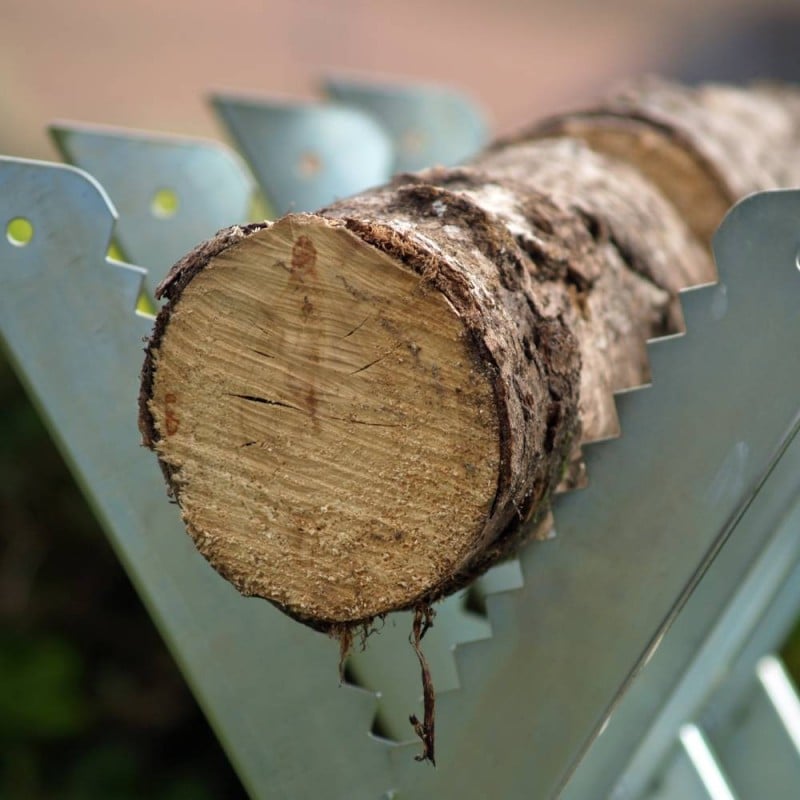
532	277
704	147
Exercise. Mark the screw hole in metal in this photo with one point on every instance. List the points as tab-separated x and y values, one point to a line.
309	165
164	204
412	142
19	231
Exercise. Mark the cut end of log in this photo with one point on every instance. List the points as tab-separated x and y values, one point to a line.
360	410
324	421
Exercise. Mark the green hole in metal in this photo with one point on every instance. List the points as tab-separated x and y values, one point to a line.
146	305
19	231
164	204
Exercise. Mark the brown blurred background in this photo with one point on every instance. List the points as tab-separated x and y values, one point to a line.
151	65
91	704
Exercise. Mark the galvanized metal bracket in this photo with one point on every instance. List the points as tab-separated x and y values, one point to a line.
305	155
171	192
429	125
698	450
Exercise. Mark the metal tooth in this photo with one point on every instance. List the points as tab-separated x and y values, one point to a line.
429	125
67	205
171	192
267	684
632	545
389	666
304	156
501	578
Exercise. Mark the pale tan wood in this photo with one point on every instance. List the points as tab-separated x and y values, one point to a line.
329	433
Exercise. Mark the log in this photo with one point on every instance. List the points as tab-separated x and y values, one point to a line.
362	409
704	148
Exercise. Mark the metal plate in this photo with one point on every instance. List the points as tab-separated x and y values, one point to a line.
429	125
306	155
171	192
631	547
743	608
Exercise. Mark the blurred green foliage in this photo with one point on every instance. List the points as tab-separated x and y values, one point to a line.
91	704
46	672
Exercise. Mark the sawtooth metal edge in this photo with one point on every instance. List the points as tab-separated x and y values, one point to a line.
535	694
171	192
388	666
662	500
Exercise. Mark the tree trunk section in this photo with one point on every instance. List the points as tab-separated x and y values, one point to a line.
704	147
362	409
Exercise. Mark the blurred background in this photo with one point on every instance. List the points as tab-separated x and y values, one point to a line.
91	703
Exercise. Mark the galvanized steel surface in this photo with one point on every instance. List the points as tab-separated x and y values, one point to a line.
304	155
171	192
663	499
429	125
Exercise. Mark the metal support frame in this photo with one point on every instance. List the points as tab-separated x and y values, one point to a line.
604	620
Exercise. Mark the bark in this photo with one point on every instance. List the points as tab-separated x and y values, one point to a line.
362	409
704	147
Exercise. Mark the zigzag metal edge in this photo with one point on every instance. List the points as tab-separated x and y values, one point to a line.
207	181
229	647
504	607
704	307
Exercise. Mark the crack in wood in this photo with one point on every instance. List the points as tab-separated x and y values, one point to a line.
250	398
357	327
261	353
374	361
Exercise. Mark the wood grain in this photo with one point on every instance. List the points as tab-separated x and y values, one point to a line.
308	387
